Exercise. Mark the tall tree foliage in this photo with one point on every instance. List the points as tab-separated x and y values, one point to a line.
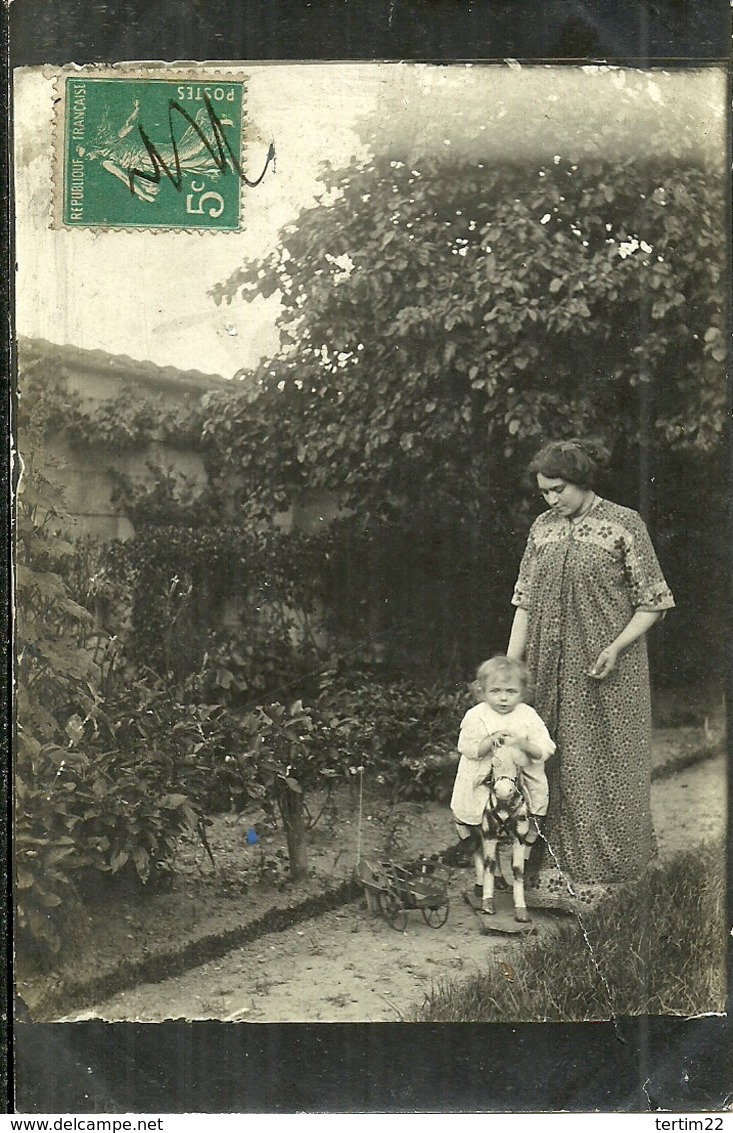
441	320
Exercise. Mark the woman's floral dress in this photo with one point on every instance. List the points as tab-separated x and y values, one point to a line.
581	582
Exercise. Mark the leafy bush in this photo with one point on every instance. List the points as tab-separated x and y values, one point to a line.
93	790
47	851
183	577
404	731
54	675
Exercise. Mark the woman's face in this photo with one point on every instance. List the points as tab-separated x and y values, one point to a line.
564	498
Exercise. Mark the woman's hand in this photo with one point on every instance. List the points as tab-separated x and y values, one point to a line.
605	663
641	621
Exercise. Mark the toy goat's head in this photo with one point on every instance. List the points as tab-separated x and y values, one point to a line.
505	765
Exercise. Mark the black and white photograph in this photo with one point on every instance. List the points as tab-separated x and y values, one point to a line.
371	547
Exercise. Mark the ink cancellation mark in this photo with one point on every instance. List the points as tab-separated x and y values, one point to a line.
154	153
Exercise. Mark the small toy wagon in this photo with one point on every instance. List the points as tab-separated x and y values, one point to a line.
392	889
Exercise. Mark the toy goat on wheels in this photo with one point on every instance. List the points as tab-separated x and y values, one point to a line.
506	819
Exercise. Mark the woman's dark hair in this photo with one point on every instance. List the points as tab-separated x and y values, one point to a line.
578	461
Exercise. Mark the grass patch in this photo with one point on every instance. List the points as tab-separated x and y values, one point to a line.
657	947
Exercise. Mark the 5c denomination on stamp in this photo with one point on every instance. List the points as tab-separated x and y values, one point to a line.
153	152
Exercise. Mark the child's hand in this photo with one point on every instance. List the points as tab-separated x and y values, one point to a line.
528	747
499	738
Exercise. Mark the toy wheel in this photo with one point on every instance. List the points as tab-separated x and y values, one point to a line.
393	911
436	917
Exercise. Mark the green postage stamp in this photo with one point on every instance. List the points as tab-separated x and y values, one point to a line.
152	152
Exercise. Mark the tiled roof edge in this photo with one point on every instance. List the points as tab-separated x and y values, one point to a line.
101	362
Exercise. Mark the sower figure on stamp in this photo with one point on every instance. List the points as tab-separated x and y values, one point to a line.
500	718
126	155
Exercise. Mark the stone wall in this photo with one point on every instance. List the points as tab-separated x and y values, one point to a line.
84	473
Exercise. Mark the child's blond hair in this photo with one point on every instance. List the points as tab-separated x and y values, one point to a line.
501	666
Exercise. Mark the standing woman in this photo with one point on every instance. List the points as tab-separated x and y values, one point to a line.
589	588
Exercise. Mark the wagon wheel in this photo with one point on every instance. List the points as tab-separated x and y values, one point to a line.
436	915
393	911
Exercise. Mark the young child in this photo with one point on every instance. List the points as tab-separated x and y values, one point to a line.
502	684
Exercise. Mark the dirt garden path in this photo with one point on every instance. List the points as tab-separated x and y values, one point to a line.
344	966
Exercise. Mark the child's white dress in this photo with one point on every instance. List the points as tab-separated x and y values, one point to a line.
470	793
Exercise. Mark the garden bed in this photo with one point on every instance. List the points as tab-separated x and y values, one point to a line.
126	937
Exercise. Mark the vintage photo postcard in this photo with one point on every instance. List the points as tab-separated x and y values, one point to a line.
371	542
